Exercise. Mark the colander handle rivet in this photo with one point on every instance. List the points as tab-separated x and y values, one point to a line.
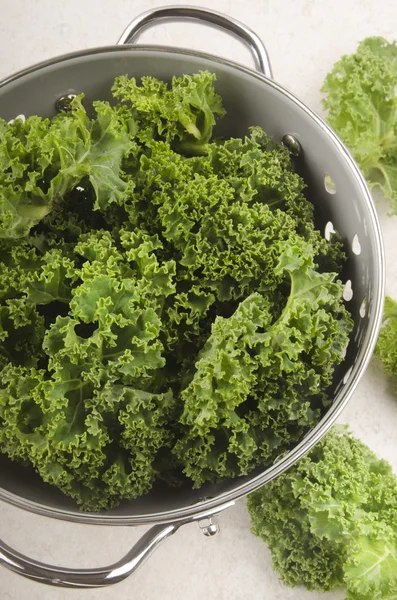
210	526
64	103
292	144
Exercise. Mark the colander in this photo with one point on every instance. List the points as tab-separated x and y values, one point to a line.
342	203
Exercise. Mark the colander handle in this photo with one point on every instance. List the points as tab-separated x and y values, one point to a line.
94	578
87	578
183	13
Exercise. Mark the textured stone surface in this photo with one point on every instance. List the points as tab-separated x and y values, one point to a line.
304	38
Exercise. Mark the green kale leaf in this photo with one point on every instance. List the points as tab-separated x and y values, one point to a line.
330	520
42	160
184	111
259	381
386	347
361	105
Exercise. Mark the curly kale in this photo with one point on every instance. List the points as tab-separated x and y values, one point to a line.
235	411
165	310
361	104
331	520
386	346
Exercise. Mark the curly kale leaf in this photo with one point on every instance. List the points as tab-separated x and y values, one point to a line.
225	214
330	520
259	383
42	160
361	105
114	321
96	445
93	422
386	347
184	111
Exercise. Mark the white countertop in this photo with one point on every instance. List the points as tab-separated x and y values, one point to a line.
304	38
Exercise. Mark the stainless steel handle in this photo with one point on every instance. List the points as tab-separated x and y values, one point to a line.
87	578
211	17
120	570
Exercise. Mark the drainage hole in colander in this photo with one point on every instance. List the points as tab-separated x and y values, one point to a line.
363	308
347	375
329	184
329	230
21	117
356	246
347	291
